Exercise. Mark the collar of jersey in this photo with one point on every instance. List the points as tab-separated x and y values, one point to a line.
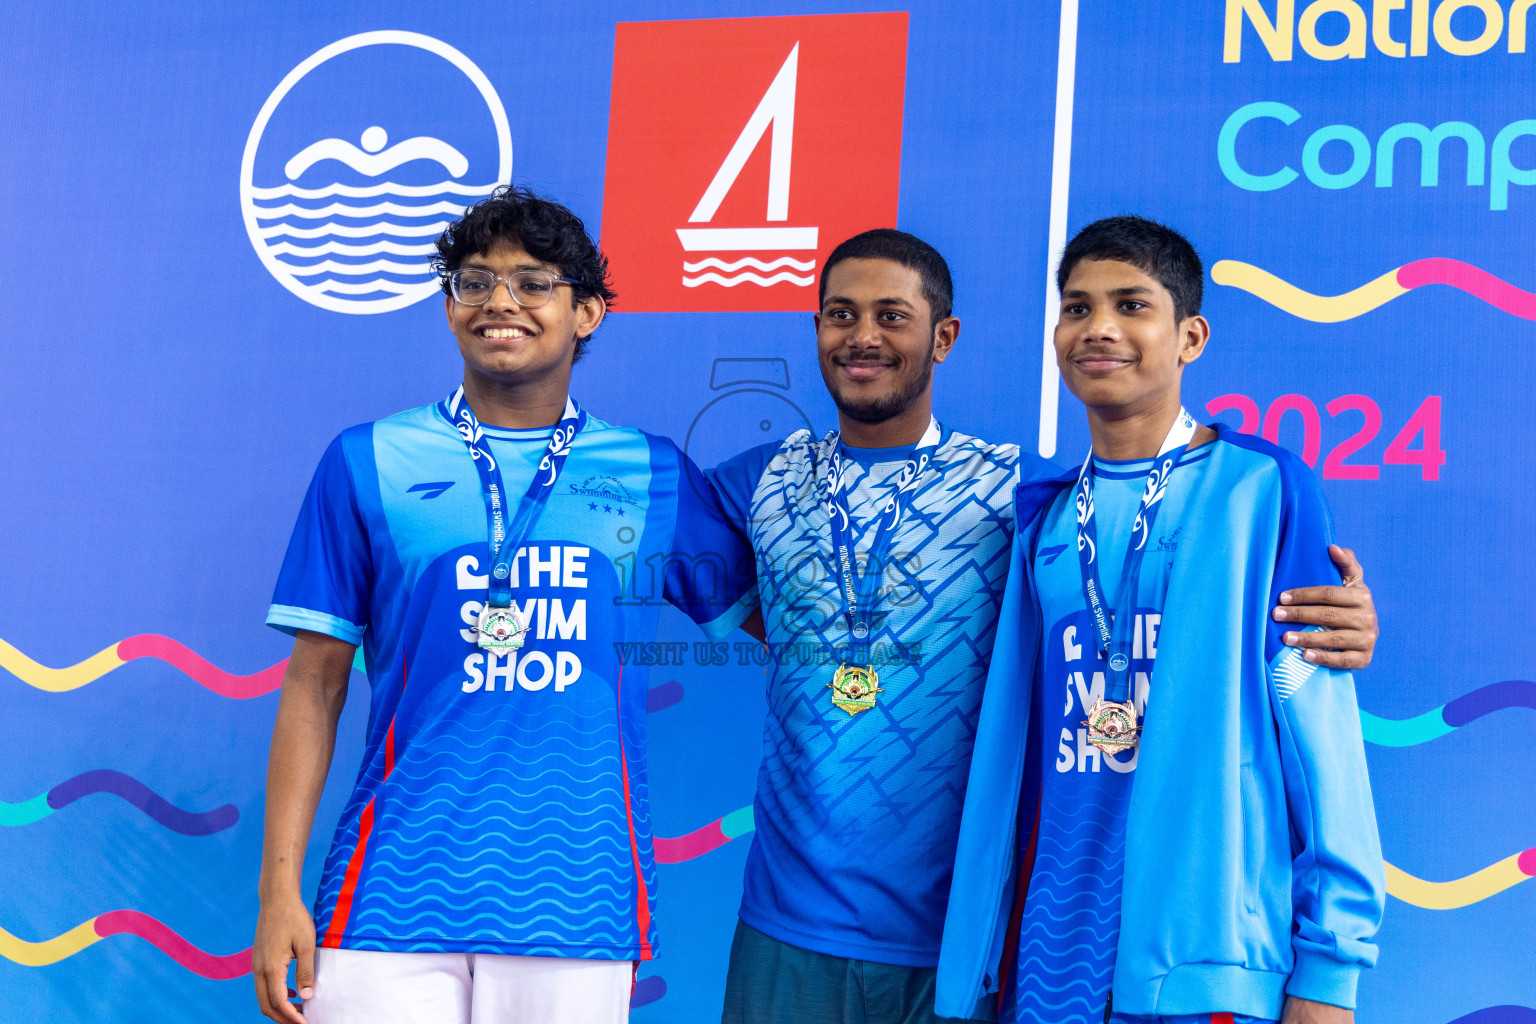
509	434
875	456
867	457
1113	469
503	433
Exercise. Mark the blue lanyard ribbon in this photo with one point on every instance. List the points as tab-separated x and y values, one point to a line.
507	539
1114	638
858	594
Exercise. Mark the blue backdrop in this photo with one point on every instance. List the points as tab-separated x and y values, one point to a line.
169	386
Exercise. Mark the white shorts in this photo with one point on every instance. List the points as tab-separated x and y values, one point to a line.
356	986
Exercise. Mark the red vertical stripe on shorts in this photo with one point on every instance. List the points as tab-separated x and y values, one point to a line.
1221	1018
343	911
642	896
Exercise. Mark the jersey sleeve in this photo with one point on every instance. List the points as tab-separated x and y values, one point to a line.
1338	884
735	483
711	574
327	574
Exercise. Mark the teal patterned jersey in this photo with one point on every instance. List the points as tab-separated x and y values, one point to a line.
857	815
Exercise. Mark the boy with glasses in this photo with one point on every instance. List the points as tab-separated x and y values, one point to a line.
494	861
1168	818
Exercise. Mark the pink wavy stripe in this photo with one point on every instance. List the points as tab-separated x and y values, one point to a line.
695	844
225	684
1472	280
132	922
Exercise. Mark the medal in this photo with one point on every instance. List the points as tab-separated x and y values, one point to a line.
500	628
854	688
1113	723
1112	726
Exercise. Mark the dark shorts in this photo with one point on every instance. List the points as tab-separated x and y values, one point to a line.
772	982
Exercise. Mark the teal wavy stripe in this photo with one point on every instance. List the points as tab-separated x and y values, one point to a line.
26	812
738	823
1385	732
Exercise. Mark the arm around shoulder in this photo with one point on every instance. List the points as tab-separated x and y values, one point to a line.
1339	887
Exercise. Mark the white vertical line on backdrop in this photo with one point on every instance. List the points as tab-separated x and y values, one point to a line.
1061	177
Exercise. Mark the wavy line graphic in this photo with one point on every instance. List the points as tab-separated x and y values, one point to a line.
648	990
1446	719
343	210
145	645
206	674
1508	1014
1462	892
366	288
383	227
702	840
124	922
354	269
387	188
105	780
745	277
663	695
345	249
1329	309
749	261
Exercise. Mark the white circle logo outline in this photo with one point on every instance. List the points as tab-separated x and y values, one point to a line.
284	274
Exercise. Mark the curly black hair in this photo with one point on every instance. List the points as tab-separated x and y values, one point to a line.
548	231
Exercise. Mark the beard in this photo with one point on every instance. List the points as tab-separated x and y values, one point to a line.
880	408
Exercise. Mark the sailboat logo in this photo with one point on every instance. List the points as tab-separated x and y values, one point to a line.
776	109
347	223
708	118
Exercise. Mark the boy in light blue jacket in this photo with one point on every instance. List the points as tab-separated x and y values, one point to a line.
1168	817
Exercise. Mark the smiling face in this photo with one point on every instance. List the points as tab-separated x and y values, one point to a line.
876	339
512	344
1120	350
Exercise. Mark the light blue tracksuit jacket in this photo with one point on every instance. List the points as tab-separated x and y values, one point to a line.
1253	867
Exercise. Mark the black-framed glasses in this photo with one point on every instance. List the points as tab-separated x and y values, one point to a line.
528	288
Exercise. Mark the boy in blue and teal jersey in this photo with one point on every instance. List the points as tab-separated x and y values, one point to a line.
1195	839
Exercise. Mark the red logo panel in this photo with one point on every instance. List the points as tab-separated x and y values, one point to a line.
742	150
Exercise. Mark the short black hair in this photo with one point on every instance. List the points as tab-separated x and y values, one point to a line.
909	251
548	231
1153	248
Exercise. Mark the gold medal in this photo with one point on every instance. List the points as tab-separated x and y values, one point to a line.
854	688
1112	727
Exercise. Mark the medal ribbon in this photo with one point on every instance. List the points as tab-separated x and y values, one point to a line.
858	595
505	542
1114	639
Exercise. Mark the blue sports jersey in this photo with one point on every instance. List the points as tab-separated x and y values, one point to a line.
501	806
1071	917
857	816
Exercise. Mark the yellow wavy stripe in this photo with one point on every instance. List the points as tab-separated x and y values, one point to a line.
1479	885
1324	309
57	680
49	951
